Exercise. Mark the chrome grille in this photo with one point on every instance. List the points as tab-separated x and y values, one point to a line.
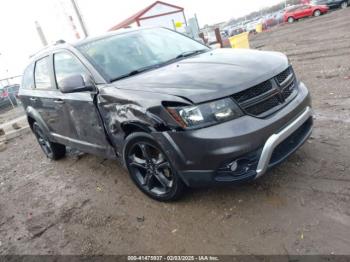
266	98
263	106
284	75
253	91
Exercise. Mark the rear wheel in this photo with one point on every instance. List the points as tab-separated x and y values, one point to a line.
150	169
52	150
291	20
317	13
344	5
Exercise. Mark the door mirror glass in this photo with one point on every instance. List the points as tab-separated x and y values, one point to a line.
75	83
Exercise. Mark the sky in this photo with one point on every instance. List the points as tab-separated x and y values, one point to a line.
19	38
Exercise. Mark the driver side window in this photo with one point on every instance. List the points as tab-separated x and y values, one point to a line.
66	65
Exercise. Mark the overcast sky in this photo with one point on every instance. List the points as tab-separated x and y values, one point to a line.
19	38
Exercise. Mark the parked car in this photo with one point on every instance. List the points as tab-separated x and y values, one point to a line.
301	11
250	27
279	16
269	21
236	31
332	4
8	96
176	113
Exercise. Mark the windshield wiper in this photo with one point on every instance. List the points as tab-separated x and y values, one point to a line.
143	69
191	53
135	72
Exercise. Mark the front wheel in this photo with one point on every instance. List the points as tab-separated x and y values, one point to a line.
150	169
317	13
52	150
291	20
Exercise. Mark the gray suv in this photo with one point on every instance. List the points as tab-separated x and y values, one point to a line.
176	113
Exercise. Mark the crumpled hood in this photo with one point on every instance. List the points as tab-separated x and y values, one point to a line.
211	75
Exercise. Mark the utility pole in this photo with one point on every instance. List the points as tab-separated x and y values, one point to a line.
41	33
195	16
81	21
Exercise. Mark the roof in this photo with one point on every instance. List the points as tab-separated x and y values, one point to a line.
136	17
63	45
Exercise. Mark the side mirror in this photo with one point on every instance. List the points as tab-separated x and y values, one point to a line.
75	83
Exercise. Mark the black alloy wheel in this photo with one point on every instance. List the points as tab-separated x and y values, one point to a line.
150	168
52	150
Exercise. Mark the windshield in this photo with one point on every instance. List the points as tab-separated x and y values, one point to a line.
119	55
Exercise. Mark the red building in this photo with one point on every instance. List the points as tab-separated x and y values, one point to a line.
157	14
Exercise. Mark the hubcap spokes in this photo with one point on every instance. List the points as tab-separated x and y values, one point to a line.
43	142
151	168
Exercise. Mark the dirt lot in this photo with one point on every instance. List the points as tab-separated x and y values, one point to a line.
86	205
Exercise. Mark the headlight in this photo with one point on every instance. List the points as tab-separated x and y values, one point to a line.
206	114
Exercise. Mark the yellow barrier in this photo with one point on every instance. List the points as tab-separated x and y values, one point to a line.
240	41
259	28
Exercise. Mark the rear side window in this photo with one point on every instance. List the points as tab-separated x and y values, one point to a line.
66	65
28	77
42	75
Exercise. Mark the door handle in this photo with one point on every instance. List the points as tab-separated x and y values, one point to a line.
33	99
58	101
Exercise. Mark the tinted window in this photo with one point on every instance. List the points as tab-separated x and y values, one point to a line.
66	65
42	75
28	77
121	54
292	9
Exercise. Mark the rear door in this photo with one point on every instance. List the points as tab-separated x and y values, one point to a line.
39	95
303	11
47	100
27	85
89	134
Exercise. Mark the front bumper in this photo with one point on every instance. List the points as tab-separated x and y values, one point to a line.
202	157
277	138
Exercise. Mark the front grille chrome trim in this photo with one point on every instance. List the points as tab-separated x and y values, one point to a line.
270	96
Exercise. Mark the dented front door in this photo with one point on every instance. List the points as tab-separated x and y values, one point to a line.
88	131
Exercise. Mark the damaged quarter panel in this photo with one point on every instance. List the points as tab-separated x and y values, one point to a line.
125	110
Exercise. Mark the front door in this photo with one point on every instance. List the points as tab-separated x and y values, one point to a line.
303	11
89	134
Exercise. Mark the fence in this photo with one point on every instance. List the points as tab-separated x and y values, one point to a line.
11	81
9	91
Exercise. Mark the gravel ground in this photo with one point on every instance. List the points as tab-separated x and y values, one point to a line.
87	205
11	114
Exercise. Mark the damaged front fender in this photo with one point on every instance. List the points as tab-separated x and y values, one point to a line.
125	111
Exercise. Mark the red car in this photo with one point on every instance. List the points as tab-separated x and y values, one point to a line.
301	11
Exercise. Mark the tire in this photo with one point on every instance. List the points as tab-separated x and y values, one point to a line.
344	5
317	13
291	20
150	168
52	150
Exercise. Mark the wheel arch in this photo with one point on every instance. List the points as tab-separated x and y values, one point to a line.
130	127
316	11
34	116
291	16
